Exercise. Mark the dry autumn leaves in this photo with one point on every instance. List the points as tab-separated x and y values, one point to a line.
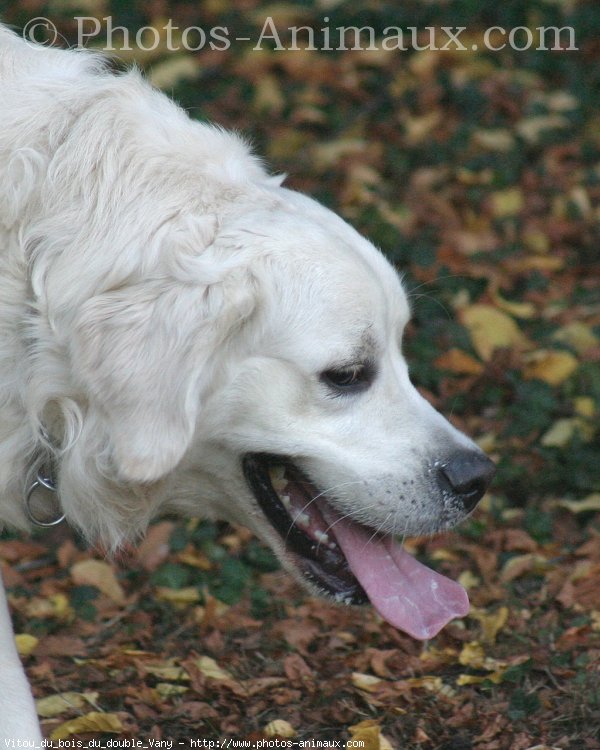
478	173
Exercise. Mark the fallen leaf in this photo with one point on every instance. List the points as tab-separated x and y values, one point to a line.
590	503
168	690
499	139
471	679
505	203
367	682
536	241
521	564
491	329
472	655
417	129
182	597
167	670
210	668
553	367
100	574
167	73
563	430
367	733
578	335
532	128
92	722
54	705
491	622
468	580
459	362
280	728
525	310
25	643
585	406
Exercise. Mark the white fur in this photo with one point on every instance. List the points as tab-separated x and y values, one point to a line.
167	306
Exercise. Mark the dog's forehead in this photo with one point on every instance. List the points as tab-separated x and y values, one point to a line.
339	267
329	285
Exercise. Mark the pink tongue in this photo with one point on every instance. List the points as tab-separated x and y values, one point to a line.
406	593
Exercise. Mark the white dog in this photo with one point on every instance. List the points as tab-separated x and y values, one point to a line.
178	332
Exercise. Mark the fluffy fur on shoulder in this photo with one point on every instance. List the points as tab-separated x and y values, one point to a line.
110	204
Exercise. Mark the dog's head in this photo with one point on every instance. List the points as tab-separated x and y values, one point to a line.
261	379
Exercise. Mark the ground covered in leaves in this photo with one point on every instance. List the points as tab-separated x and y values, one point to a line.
478	173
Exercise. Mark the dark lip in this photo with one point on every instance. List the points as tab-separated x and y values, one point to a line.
325	568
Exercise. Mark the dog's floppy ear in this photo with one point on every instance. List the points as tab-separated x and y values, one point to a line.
146	352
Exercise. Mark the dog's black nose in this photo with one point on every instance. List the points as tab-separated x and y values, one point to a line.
468	475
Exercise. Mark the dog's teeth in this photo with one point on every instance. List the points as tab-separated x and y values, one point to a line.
279	484
321	537
277	471
302	519
285	499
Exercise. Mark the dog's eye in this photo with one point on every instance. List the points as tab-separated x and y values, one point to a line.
353	378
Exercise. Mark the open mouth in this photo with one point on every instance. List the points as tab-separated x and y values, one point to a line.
345	560
298	512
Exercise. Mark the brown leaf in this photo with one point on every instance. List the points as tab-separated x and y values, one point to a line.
100	574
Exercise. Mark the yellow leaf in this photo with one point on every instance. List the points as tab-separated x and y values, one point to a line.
210	668
491	622
195	558
175	68
455	360
427	682
437	655
417	129
56	605
487	442
560	101
268	96
367	733
507	202
468	580
469	679
367	682
184	596
589	503
553	367
531	128
280	728
61	608
491	329
499	139
521	564
101	575
585	406
25	643
331	152
563	430
472	655
518	309
445	555
536	241
168	690
578	335
168	670
92	722
537	263
54	705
